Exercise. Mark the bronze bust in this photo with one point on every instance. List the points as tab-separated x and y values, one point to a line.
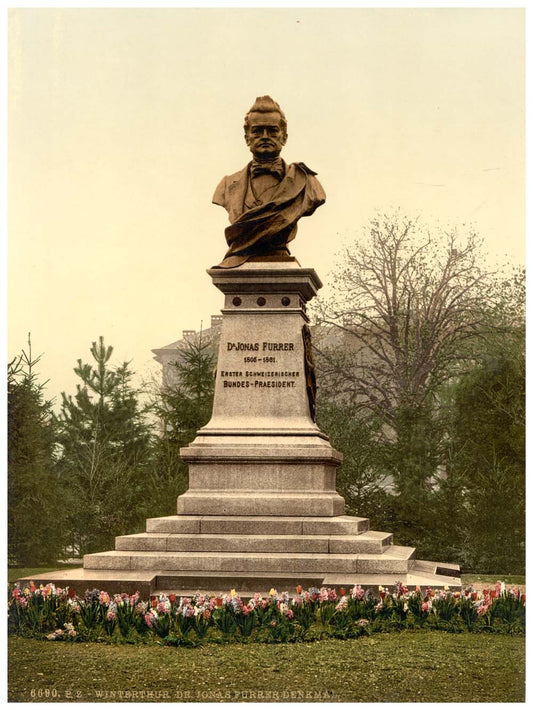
265	199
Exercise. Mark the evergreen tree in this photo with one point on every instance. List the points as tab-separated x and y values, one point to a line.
362	479
35	503
181	408
488	439
104	453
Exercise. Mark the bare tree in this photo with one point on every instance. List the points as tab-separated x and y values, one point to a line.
406	304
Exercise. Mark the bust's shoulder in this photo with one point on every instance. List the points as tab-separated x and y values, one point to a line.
229	187
303	167
236	177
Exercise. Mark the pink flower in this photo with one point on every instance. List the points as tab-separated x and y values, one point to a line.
111	616
163	607
104	598
425	606
358	592
363	622
149	619
289	613
332	595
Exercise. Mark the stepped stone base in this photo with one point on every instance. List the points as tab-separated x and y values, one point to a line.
186	553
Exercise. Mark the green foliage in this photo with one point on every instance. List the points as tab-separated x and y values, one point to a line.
181	408
104	453
420	362
35	531
362	476
487	437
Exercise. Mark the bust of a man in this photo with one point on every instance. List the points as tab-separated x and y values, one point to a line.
265	199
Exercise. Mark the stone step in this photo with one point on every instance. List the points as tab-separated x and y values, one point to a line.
283	502
251	524
188	583
395	560
368	542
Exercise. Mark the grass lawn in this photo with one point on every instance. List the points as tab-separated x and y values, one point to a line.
398	667
491	579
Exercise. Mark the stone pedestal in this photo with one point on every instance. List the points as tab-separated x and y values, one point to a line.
261	510
262	453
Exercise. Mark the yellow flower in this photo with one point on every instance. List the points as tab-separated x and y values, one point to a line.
446	588
272	592
233	593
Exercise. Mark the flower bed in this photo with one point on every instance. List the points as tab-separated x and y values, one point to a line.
59	614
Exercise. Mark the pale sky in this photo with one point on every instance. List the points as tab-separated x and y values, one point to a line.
122	122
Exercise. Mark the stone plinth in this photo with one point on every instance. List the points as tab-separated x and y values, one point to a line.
261	510
262	453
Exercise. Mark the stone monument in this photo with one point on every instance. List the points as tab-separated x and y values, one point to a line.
261	510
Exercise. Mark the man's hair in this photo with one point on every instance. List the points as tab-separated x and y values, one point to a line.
265	104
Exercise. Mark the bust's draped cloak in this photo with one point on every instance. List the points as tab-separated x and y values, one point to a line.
270	226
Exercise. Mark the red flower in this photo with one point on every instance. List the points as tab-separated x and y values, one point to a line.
342	592
485	592
473	596
382	593
493	593
523	598
219	601
32	587
172	598
154	602
299	589
71	592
